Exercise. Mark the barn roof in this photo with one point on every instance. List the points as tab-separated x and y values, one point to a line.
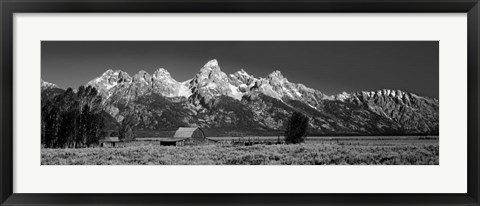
185	132
110	139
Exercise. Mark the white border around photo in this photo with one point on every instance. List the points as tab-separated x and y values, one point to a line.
450	176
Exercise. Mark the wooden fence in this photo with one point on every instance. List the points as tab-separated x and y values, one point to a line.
250	141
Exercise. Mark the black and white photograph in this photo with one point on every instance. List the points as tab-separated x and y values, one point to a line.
239	103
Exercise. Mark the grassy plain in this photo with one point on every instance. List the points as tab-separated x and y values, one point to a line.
360	152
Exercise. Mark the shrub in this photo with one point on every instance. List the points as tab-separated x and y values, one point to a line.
296	129
300	154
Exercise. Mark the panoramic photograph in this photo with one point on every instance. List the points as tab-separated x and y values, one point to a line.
239	103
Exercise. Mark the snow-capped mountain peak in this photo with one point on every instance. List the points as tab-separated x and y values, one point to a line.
142	81
276	75
47	85
108	72
161	72
242	79
211	64
115	73
211	72
242	72
208	83
109	79
342	96
145	76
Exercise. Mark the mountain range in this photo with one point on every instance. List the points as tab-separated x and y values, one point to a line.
240	104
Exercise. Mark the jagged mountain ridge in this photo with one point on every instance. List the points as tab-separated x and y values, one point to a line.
121	83
240	103
208	83
412	111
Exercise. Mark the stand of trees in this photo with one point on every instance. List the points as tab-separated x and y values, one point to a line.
72	120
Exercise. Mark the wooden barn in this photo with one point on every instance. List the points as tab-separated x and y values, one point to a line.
109	141
186	136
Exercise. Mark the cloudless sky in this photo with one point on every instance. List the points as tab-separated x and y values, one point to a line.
328	66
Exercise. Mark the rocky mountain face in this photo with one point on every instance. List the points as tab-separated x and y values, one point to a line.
121	84
416	114
241	104
208	84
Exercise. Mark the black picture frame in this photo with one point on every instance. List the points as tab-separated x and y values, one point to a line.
9	7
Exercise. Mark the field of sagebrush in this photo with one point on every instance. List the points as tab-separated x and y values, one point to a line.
302	154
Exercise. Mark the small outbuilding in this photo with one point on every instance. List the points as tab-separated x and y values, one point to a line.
186	136
109	141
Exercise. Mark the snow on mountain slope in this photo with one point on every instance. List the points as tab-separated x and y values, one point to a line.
107	83
120	83
240	102
47	85
209	82
415	113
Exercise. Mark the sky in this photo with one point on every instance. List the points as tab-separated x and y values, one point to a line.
331	67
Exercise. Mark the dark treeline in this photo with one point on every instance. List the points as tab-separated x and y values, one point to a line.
72	120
